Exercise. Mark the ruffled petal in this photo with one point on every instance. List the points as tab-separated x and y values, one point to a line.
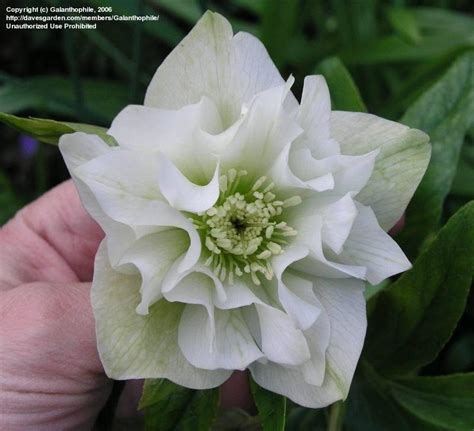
309	229
177	134
211	62
338	219
232	346
291	383
313	116
368	245
318	337
282	342
183	194
265	129
153	255
133	346
295	293
344	303
402	162
285	179
77	149
350	173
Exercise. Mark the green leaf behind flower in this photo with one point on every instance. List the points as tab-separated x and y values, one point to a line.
415	403
345	95
49	131
415	316
55	95
445	112
172	407
446	402
271	408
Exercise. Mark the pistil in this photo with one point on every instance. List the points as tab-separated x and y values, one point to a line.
244	230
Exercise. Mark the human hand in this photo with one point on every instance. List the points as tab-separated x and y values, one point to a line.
51	377
50	374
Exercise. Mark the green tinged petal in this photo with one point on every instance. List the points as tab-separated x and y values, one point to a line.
134	346
400	165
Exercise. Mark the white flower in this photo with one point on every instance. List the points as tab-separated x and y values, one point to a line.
241	225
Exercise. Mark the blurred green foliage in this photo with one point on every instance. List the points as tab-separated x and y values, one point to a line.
400	59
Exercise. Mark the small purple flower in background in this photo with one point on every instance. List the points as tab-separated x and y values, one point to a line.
28	146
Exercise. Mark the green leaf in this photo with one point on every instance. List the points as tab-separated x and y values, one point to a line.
371	406
49	131
345	95
415	316
278	27
55	95
394	49
445	113
271	408
404	22
446	402
169	407
437	19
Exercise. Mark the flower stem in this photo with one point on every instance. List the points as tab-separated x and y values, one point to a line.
336	416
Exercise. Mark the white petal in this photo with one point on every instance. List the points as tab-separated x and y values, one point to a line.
296	296
318	337
291	383
282	342
174	133
232	348
350	173
313	116
285	179
78	149
136	347
344	303
265	130
338	219
123	203
181	193
209	61
121	175
368	245
124	184
180	271
237	295
295	293
196	288
153	255
309	229
403	159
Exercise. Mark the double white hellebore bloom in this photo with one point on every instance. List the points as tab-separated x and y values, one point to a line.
241	225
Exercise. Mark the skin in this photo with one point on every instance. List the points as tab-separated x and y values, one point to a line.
51	377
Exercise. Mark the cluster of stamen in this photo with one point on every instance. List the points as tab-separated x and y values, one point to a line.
244	229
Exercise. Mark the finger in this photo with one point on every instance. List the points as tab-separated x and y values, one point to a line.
52	239
51	376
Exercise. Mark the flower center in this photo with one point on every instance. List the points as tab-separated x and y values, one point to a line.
245	228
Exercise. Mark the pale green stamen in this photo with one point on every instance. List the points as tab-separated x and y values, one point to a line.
244	230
